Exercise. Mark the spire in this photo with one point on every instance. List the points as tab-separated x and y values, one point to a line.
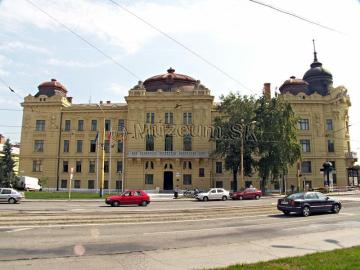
315	56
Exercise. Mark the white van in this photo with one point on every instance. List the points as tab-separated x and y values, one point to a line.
29	183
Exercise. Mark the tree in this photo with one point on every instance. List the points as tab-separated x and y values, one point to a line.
277	137
235	112
7	164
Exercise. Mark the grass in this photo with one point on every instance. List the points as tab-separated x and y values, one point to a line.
62	195
340	259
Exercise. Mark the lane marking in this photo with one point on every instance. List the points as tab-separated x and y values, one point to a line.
19	230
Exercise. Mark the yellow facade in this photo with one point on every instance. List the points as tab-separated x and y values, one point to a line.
57	135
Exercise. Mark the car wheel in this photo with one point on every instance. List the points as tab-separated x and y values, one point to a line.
224	198
12	200
286	213
143	203
205	199
306	211
336	208
115	204
257	197
240	197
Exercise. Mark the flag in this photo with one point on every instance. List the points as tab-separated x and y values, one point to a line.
97	136
109	136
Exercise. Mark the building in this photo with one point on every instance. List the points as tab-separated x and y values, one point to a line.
323	128
160	138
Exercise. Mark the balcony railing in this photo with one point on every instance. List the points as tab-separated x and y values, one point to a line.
351	155
168	154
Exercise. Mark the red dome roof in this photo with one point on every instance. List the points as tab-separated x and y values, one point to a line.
51	88
169	81
294	86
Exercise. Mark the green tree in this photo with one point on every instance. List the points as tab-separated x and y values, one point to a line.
236	112
7	164
277	138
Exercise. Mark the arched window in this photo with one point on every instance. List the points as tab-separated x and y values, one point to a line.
146	164
168	142
151	165
189	165
149	142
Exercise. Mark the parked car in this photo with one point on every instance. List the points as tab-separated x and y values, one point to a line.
138	197
248	193
306	203
213	194
10	195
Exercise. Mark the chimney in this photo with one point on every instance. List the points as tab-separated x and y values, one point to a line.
267	91
101	102
108	102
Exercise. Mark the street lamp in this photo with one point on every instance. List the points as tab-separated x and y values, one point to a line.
102	155
243	127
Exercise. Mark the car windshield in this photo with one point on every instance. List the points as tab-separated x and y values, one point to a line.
296	196
206	191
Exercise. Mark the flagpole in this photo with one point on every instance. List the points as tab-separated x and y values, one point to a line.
97	161
110	139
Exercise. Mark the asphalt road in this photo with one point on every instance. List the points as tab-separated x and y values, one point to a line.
260	233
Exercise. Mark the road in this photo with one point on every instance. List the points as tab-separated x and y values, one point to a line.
174	235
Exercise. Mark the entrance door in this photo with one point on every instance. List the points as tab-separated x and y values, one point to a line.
168	181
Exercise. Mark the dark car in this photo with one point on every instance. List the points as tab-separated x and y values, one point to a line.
306	203
248	193
138	197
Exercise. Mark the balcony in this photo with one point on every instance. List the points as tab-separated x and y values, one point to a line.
351	155
168	154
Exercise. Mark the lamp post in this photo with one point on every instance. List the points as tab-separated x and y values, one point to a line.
243	128
102	154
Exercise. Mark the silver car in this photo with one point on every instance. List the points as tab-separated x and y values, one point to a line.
213	194
10	195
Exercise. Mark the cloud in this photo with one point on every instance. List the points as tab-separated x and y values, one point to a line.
74	64
17	45
118	89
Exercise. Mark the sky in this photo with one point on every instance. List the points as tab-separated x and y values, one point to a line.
99	50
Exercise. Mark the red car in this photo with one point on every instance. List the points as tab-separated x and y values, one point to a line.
138	197
248	193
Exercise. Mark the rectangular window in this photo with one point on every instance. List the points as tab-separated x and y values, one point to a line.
40	125
106	184
106	166
37	166
93	125
149	179
121	125
331	146
107	125
219	184
218	167
329	124
305	145
118	184
119	166
39	146
187	119
67	125
187	142
120	146
107	146
91	166
149	142
79	146
63	183
66	146
187	179
150	118
78	166
80	125
77	183
306	167
304	124
168	142
65	166
92	146
169	118
91	184
334	179
201	172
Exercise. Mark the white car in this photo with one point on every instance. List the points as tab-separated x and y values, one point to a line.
213	194
10	195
